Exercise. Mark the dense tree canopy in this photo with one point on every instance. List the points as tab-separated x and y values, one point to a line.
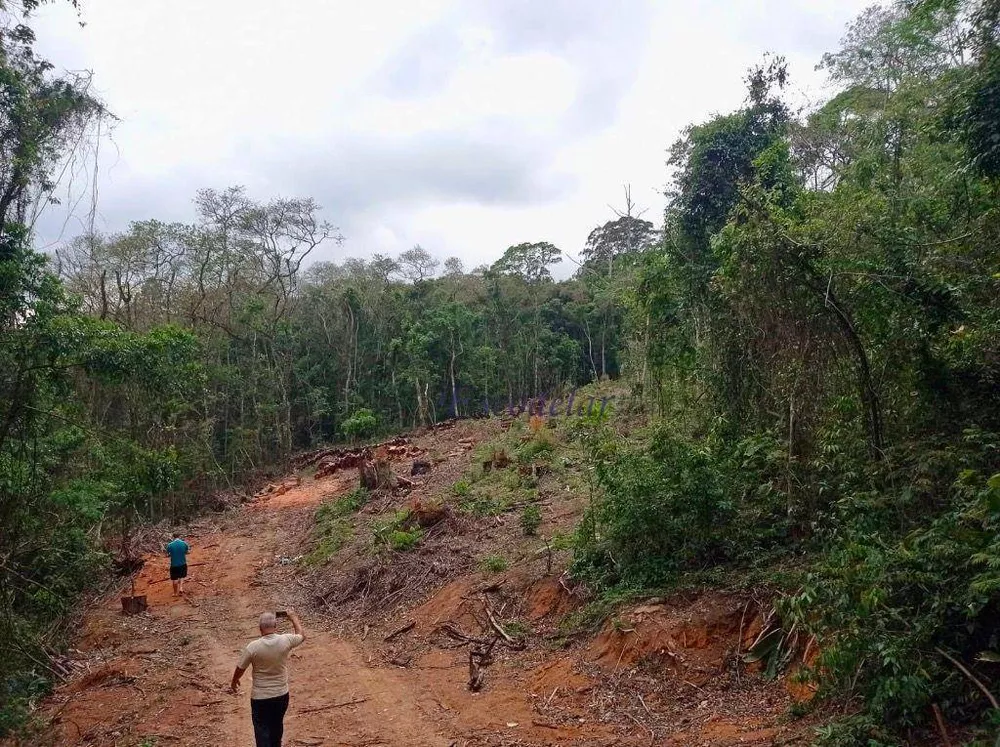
820	333
813	337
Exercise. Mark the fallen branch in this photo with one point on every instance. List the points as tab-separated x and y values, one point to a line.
453	631
355	701
478	659
942	730
399	631
972	678
544	724
485	588
500	631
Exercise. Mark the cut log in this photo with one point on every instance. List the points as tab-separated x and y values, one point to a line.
399	631
404	482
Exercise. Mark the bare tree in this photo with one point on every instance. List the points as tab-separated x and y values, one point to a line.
417	264
453	267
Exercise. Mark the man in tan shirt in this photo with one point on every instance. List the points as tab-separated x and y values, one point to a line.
268	656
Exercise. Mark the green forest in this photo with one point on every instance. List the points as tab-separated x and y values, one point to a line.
811	332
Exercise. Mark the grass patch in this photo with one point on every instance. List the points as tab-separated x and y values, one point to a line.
540	447
494	563
494	485
592	615
493	494
390	533
333	529
517	629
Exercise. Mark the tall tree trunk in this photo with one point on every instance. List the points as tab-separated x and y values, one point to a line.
645	360
866	386
351	353
422	410
454	388
604	356
590	348
399	402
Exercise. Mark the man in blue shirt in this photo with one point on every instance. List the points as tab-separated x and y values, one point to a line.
178	550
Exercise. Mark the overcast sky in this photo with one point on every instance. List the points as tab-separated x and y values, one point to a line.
461	126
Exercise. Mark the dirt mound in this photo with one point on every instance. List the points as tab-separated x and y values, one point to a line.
691	639
396	446
109	674
550	597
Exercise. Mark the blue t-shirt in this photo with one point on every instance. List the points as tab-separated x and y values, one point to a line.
178	550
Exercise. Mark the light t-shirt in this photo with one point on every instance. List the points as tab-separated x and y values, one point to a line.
268	655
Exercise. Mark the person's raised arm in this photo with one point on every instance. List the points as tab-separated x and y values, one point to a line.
296	623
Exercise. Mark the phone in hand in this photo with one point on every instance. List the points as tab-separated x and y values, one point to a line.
280	614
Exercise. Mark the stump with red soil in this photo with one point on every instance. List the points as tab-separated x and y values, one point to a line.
375	472
134	604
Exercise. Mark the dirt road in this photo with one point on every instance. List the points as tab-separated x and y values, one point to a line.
161	678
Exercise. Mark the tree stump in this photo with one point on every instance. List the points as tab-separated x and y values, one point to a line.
375	471
134	605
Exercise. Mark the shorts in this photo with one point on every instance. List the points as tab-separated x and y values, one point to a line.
178	572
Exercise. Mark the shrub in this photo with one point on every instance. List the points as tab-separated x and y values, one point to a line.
660	510
531	519
893	615
362	424
401	540
18	693
541	443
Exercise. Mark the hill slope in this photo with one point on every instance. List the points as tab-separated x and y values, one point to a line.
392	622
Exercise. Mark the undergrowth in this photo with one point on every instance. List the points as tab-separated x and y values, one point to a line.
332	527
494	563
507	470
896	582
392	534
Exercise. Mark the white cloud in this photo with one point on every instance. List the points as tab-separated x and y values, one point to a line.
462	125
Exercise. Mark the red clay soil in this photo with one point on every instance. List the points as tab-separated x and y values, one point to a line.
662	674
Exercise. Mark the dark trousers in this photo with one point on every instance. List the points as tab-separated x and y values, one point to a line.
268	716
